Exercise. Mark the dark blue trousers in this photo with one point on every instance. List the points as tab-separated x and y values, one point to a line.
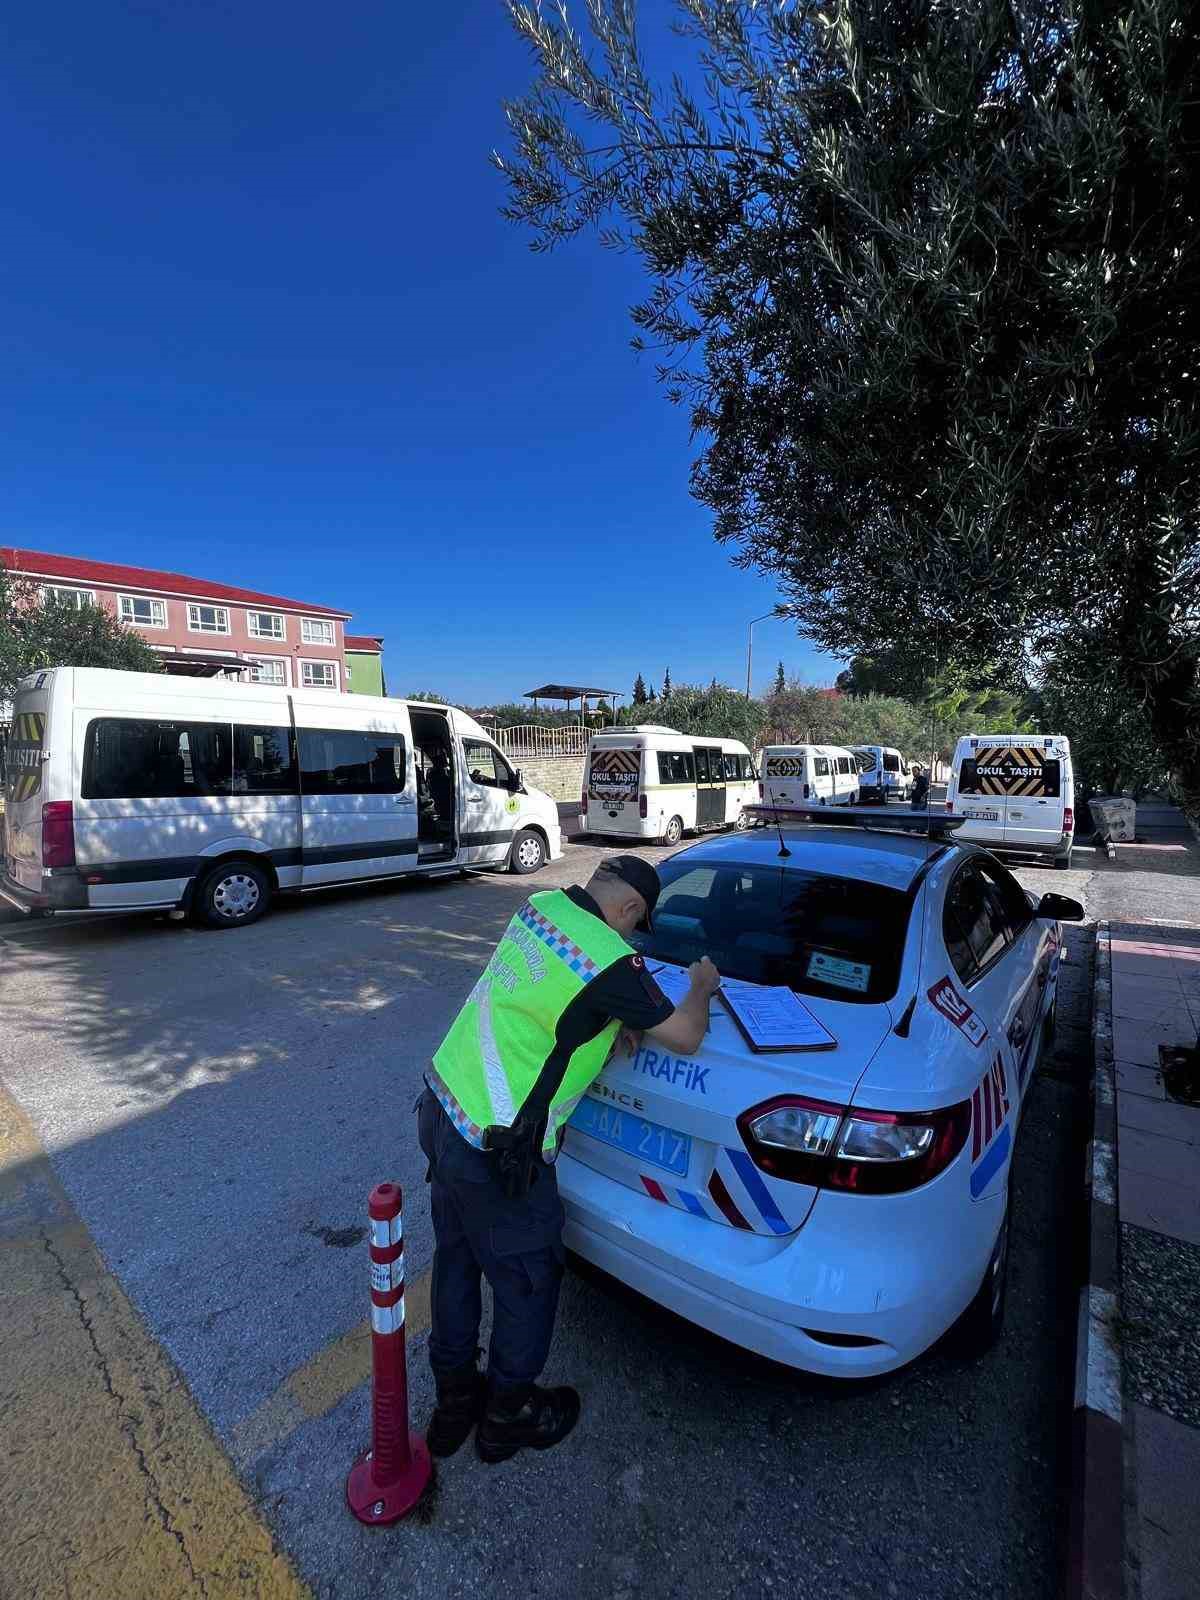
480	1233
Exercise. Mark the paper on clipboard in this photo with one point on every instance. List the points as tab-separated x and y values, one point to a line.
673	981
774	1018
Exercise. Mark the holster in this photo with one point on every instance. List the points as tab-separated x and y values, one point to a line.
516	1154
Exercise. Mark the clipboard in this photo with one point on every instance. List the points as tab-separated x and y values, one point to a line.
773	1018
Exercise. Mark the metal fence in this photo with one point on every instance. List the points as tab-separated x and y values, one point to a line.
531	739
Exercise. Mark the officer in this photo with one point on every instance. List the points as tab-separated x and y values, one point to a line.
533	1035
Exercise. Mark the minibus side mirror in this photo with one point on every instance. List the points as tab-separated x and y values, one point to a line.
1060	908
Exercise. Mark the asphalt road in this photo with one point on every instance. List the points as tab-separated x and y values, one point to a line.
217	1106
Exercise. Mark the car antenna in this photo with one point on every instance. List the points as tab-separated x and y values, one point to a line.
905	1022
783	849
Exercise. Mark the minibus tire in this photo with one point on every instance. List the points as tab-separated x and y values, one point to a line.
521	858
239	875
673	832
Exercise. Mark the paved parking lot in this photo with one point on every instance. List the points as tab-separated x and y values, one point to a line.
216	1108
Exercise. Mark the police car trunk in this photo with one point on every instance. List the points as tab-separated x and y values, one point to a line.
696	1133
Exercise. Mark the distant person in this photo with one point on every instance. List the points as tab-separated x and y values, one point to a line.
920	788
534	1034
441	785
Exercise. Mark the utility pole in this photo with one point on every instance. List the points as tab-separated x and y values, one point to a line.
774	612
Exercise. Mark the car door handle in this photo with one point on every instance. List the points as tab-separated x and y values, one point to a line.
472	801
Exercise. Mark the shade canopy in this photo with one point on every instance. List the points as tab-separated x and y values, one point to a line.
569	691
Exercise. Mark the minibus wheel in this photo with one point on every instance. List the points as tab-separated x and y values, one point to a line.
233	895
528	852
673	831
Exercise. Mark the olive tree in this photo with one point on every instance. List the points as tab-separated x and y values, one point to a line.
926	275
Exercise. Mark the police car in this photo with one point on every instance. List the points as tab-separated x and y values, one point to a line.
841	1205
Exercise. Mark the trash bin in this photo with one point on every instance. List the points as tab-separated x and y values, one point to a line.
1115	817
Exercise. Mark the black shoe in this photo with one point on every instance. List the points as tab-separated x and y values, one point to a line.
532	1417
461	1397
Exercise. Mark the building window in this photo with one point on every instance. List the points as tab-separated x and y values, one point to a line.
143	612
208	619
318	674
269	669
314	631
266	625
54	595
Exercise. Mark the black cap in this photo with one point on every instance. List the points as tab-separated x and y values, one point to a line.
639	875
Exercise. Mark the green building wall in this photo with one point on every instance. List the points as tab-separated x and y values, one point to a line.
365	672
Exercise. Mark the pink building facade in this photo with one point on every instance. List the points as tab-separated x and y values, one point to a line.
202	628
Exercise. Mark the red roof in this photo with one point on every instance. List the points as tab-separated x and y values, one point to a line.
74	569
365	643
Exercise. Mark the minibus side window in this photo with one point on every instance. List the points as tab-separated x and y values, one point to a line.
263	762
486	766
342	761
128	758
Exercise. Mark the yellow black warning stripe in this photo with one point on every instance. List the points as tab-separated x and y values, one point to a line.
23	757
613	773
1013	770
29	727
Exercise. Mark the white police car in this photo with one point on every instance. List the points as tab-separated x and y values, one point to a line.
837	1209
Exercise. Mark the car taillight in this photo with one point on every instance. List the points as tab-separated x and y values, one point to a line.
1068	820
58	834
950	806
846	1147
583	801
643	809
806	791
760	791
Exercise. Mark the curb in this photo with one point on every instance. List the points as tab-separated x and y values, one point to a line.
1097	1515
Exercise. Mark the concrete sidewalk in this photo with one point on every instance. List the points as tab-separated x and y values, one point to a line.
1155	974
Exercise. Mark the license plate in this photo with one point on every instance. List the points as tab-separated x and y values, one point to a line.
984	816
648	1141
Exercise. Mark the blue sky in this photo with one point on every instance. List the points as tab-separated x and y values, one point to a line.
261	321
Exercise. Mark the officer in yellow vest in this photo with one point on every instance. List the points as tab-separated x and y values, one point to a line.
533	1035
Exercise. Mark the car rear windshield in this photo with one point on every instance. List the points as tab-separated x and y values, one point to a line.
833	938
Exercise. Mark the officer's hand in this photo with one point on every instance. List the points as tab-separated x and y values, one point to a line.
706	980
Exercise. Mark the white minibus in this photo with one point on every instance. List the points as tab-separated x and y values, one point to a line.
130	791
1017	792
884	774
650	782
819	774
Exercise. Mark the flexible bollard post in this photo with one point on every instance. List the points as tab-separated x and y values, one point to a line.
386	1482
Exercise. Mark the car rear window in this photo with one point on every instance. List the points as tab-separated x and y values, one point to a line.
836	938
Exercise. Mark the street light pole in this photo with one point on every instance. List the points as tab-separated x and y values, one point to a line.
750	643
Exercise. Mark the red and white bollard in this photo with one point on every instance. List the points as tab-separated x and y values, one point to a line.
387	1481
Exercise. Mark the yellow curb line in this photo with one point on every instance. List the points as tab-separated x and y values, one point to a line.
324	1380
112	1485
